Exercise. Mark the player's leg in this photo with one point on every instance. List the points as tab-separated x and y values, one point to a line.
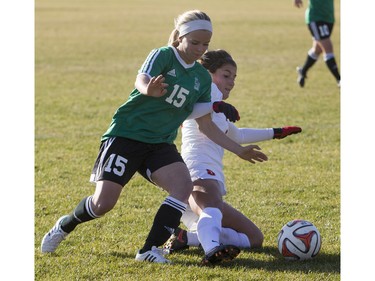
313	54
182	239
165	168
95	206
206	200
175	179
107	192
329	58
237	230
311	59
321	32
243	226
91	207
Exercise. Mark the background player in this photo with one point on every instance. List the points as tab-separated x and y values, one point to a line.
319	17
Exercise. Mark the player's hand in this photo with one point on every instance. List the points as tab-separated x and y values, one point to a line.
280	133
229	110
252	154
156	87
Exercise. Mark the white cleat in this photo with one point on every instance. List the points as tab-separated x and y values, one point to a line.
53	238
154	255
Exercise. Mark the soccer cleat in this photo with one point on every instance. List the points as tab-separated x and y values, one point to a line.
301	77
154	255
220	253
53	238
280	133
177	241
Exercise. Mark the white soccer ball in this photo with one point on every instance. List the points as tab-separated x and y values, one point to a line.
299	240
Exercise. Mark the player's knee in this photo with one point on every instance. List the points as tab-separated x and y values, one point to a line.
257	240
101	208
314	53
182	191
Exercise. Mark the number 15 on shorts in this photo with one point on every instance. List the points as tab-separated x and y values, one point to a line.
116	165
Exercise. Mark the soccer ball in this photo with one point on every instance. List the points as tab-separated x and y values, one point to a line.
299	240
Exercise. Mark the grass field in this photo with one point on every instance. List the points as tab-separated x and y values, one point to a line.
87	54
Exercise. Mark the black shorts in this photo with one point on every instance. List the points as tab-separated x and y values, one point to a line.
320	29
120	158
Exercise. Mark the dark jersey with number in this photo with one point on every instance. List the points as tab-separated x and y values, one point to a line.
156	120
320	10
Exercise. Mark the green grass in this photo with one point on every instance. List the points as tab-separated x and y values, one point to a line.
87	55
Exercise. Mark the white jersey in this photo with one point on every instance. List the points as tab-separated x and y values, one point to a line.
202	156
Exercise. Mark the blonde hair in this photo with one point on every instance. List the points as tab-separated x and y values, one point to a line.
185	18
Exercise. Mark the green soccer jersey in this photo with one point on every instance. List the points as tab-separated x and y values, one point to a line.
320	10
156	120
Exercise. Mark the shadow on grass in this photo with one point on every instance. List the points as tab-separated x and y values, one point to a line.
274	262
322	263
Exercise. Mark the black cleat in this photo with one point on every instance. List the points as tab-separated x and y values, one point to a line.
177	242
301	78
221	253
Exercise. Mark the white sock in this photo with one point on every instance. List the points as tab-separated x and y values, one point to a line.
192	239
231	237
175	203
209	228
328	56
228	236
312	54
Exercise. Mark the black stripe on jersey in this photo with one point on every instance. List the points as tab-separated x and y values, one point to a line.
147	65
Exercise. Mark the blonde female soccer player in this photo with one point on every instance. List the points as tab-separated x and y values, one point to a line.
141	135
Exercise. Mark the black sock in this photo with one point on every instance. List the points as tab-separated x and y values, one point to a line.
308	63
332	66
79	215
166	220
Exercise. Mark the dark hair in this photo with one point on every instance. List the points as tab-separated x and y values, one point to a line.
212	60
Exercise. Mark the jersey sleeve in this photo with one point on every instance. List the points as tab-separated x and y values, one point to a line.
156	62
200	109
248	135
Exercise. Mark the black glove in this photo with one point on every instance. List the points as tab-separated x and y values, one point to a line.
229	110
